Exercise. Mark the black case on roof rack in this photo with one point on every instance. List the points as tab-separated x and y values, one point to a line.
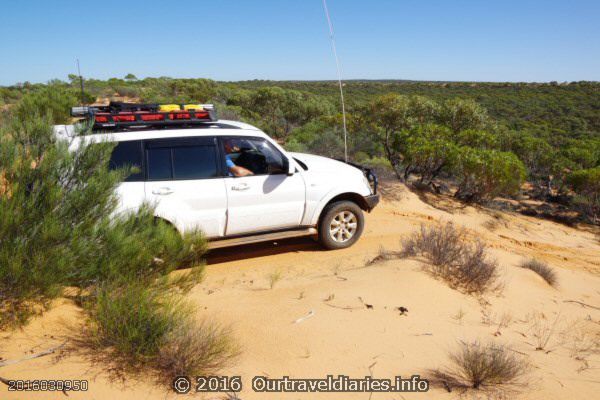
119	115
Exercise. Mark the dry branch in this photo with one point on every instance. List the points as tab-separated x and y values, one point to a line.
32	356
581	304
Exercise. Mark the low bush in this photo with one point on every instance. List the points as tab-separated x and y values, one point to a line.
196	348
483	366
542	269
442	244
465	266
142	325
586	183
484	174
131	319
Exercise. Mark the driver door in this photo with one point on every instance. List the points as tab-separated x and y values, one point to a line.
270	199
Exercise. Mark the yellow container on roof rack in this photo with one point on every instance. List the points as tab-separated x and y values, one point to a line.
169	107
193	107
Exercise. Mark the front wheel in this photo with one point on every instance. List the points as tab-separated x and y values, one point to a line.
341	225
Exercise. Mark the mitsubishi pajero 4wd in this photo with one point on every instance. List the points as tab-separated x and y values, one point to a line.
226	178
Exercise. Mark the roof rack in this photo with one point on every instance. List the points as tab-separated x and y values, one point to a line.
119	115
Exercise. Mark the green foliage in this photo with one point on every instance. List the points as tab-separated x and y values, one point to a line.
429	139
177	91
429	151
278	111
132	319
55	224
389	117
537	154
54	102
586	183
484	174
460	115
319	136
141	324
478	139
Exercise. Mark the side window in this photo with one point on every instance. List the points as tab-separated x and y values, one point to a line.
159	164
178	161
194	162
128	154
256	155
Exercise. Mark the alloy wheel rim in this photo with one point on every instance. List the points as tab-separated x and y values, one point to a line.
343	226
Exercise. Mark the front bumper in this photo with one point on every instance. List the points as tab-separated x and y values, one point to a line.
369	174
372	201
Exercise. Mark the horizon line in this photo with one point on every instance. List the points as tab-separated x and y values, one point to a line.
315	80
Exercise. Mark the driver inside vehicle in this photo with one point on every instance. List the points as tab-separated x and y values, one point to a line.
230	149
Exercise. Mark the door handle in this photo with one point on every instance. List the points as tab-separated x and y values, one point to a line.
162	191
240	187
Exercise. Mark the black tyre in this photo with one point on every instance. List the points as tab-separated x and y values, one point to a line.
341	225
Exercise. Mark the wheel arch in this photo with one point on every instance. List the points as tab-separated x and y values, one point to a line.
347	196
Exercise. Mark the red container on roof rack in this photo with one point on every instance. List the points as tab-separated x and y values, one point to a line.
180	115
117	116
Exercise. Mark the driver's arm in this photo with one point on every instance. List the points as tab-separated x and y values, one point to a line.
240	171
236	170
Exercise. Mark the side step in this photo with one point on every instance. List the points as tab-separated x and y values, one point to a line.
264	237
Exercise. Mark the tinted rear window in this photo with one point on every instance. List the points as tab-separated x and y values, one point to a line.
194	162
128	154
159	164
180	162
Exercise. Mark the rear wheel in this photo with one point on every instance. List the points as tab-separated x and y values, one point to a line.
341	225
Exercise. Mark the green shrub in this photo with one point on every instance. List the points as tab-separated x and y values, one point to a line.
429	152
278	111
53	102
131	319
50	202
462	114
478	139
586	183
141	325
55	224
484	174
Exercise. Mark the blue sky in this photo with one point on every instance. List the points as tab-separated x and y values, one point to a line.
503	40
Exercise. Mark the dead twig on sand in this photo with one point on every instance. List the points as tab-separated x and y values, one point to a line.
51	350
32	356
581	304
311	313
346	308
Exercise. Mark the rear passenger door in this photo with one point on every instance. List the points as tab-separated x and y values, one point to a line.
129	154
184	179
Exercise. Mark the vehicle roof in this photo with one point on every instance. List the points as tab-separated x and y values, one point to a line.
217	128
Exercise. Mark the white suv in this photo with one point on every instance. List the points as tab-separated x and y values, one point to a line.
185	170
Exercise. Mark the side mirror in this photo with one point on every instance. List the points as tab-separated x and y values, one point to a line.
291	168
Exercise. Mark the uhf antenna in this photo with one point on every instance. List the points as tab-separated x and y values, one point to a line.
80	82
339	73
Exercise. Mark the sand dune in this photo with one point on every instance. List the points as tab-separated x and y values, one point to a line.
261	290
